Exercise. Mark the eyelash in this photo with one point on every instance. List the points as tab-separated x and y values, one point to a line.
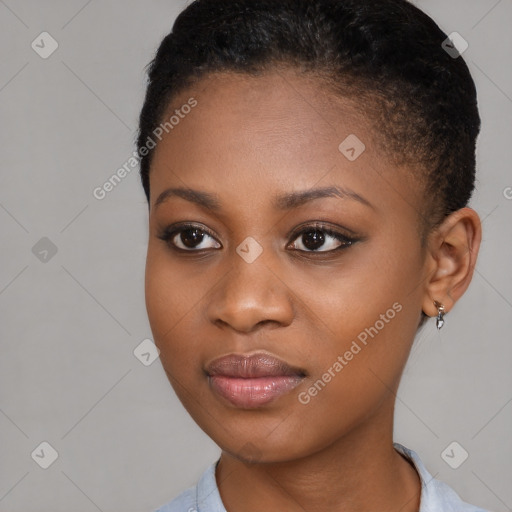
169	233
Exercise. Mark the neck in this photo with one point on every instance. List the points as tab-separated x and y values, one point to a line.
361	471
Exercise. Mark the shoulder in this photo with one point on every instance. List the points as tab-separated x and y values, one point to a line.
202	497
436	496
185	502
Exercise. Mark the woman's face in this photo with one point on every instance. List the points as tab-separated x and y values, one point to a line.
286	312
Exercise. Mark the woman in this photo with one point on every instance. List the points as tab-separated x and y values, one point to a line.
307	165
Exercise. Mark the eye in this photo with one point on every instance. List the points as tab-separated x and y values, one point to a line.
319	238
189	237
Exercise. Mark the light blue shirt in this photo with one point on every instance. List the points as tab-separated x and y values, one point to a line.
436	496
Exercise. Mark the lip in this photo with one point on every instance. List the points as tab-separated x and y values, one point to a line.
251	381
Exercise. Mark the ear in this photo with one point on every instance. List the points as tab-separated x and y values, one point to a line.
452	253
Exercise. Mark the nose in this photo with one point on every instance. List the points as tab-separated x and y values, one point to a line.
249	296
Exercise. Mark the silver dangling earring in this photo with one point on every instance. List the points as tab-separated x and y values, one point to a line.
440	314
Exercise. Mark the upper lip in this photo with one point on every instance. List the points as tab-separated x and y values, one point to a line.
251	366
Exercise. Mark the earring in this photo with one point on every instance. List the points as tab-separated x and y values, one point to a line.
440	314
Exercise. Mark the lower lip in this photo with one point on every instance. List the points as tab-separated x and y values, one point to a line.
254	392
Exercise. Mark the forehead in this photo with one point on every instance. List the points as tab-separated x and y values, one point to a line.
274	132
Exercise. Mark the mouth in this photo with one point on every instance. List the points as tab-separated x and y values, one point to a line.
252	381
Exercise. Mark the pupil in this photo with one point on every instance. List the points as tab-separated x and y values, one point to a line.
313	239
191	237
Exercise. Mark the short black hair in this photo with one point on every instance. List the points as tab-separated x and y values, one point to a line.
385	54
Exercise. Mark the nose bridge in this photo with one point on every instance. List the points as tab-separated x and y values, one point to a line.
250	293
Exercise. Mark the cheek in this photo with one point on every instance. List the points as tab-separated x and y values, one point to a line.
172	298
366	321
374	294
362	352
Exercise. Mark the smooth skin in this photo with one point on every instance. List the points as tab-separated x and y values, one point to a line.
249	140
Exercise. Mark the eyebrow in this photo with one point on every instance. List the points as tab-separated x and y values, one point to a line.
286	201
204	199
296	199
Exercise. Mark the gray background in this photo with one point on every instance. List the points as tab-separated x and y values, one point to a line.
70	324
